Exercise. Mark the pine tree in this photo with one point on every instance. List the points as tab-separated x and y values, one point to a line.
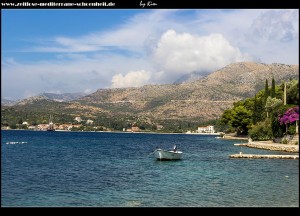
266	92
255	111
273	88
284	94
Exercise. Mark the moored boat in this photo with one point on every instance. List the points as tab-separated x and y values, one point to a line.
161	154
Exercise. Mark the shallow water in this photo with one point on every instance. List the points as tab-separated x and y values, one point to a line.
119	169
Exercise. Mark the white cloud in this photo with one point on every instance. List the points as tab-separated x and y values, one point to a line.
265	34
243	29
130	35
88	91
67	45
142	50
28	94
131	79
185	53
64	75
275	25
274	36
55	92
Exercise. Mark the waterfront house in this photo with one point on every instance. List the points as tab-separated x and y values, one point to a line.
78	119
206	129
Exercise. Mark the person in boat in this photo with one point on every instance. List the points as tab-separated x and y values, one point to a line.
175	148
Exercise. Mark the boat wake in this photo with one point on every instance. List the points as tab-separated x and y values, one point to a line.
12	143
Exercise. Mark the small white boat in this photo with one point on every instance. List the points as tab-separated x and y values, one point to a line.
161	154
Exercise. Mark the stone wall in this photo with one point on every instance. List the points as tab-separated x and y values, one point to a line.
274	147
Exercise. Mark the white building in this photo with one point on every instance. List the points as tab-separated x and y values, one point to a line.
78	119
89	121
32	127
206	129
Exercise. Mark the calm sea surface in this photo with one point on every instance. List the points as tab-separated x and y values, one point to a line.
118	169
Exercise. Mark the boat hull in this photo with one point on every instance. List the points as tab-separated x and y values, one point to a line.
167	155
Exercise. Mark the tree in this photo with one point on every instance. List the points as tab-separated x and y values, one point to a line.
272	104
293	92
290	116
154	127
21	126
34	123
13	126
255	111
226	117
258	108
241	120
142	127
273	93
284	94
266	95
261	131
277	129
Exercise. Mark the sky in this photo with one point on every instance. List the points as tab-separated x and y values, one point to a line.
68	51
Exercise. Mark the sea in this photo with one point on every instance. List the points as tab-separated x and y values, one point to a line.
109	169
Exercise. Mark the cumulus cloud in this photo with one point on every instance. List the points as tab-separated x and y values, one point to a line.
149	46
181	53
131	79
67	76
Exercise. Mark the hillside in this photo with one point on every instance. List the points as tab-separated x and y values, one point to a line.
203	99
63	97
52	97
248	77
197	101
192	77
7	102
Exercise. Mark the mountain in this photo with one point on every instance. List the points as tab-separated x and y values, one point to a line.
197	101
201	100
191	77
63	97
6	102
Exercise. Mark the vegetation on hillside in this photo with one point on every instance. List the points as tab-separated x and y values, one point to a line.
267	115
171	108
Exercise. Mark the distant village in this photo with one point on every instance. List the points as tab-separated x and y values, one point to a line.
209	129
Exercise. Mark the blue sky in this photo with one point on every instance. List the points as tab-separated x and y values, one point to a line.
62	51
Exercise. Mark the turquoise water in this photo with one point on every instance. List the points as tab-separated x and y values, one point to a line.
118	170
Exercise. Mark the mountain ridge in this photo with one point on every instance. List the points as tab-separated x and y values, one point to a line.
200	100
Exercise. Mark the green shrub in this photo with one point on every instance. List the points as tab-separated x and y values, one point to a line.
284	141
292	130
277	129
261	131
13	126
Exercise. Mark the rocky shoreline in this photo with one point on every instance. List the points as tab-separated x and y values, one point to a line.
268	145
254	156
271	146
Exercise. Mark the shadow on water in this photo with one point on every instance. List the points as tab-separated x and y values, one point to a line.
167	161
